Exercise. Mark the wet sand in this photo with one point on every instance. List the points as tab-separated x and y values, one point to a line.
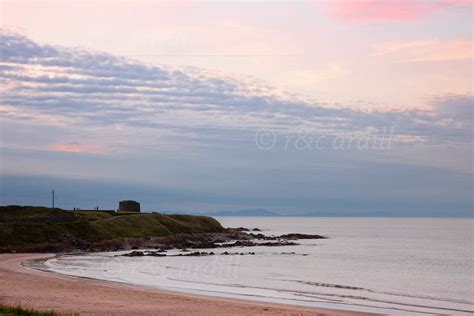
43	290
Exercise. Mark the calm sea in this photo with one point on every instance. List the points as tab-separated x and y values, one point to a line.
398	266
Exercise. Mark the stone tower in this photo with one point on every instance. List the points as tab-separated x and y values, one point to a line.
129	206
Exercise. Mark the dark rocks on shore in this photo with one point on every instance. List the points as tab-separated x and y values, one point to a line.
196	254
244	229
226	253
156	254
248	243
295	236
262	236
232	237
292	236
229	239
191	254
239	243
241	229
277	243
141	254
134	254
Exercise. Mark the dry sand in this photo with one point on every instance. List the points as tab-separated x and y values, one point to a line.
45	291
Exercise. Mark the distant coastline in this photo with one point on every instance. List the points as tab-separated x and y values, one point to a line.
261	212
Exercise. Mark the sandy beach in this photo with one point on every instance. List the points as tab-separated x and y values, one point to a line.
45	291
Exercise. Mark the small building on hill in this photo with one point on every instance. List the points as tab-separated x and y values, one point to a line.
129	206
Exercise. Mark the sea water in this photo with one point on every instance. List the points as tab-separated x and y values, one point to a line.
398	266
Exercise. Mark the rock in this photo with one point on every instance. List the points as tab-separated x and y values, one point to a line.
241	243
278	243
144	254
156	254
238	253
294	236
227	239
134	254
196	254
261	236
242	229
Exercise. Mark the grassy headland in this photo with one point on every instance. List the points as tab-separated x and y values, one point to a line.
30	228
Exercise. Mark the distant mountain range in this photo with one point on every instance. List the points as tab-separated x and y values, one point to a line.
264	212
250	212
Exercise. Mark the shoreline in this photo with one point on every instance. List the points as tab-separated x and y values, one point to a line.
29	286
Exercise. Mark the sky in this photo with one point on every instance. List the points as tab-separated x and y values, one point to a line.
354	107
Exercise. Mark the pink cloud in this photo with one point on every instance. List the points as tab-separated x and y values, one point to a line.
75	147
391	10
426	50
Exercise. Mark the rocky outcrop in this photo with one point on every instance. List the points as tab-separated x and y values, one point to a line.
231	238
295	236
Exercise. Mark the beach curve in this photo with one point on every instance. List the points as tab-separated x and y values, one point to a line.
43	290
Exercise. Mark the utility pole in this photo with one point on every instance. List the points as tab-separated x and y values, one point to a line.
53	197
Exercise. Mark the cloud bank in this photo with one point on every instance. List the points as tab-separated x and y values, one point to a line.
74	86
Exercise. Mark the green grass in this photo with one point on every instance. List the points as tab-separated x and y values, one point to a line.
21	234
32	212
21	311
146	225
92	215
